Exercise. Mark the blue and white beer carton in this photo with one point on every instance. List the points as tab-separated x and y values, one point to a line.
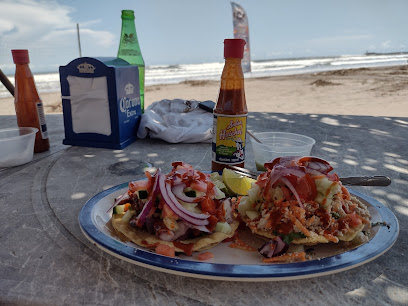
101	102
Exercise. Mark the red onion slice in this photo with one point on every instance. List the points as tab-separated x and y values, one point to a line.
177	180
283	171
316	163
275	174
180	207
274	247
319	167
285	161
199	227
178	191
279	172
313	172
141	218
290	186
177	208
181	230
281	246
122	199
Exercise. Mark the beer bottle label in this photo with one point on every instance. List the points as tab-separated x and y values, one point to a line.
41	120
228	144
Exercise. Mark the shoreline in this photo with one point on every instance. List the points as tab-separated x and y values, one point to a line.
378	91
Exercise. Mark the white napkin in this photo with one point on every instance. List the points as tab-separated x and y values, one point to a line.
89	105
176	121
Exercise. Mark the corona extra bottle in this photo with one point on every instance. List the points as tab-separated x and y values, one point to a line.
129	48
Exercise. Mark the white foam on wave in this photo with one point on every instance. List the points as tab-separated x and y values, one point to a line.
171	74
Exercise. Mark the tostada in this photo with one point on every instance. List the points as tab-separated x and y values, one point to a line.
299	198
182	210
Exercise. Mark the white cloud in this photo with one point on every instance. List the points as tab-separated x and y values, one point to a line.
102	38
47	30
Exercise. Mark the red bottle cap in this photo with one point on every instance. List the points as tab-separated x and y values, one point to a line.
234	48
20	56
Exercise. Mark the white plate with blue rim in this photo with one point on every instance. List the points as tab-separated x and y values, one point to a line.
233	264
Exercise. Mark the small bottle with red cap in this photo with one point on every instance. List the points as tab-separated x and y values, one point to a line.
28	105
230	113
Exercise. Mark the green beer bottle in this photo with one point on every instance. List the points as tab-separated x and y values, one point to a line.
129	48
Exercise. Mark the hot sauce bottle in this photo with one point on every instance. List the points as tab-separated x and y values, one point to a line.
28	105
230	113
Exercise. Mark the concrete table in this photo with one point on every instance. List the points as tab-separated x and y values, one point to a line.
46	260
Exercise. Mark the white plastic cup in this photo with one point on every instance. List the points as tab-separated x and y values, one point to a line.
278	144
16	146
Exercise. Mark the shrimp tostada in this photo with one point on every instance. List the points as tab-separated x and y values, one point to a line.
299	199
183	210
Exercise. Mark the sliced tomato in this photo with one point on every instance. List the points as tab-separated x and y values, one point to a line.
306	188
345	192
292	179
286	193
262	180
177	163
220	214
205	256
212	223
199	185
354	220
186	247
165	250
139	185
208	206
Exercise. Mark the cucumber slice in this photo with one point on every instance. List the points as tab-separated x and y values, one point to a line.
219	194
119	209
191	193
128	215
252	214
142	194
245	204
219	183
222	227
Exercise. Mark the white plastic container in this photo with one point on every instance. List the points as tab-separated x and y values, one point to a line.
278	144
16	146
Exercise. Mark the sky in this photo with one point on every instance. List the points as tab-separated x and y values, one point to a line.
193	31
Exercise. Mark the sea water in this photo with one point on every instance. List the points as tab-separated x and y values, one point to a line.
172	74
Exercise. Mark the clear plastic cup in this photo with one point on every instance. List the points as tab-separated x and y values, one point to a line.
16	146
278	144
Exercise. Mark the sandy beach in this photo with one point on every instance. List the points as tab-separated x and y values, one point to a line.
362	91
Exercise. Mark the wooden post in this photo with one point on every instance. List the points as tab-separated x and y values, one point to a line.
6	82
79	41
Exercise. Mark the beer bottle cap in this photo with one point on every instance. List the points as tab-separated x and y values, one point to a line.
234	48
128	15
20	56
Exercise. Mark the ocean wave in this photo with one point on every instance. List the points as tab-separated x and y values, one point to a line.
171	74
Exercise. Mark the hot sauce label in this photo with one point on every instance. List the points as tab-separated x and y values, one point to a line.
228	144
41	120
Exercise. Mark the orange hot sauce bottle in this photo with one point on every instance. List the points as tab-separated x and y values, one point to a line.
230	113
28	105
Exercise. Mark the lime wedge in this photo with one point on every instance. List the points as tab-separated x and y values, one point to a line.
237	184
